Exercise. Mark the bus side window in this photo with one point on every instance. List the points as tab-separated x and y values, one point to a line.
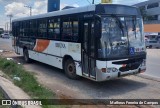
70	31
66	31
42	28
54	29
21	31
33	28
75	31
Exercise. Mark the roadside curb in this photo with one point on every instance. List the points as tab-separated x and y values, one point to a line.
6	96
149	77
10	91
4	93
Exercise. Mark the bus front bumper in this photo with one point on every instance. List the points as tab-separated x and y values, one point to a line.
101	76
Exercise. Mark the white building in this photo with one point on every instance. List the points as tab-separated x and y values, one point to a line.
152	8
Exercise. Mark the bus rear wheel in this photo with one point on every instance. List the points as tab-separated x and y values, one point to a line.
70	69
26	56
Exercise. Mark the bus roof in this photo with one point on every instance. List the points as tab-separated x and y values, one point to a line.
60	12
68	11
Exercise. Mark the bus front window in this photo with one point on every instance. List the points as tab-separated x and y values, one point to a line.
118	35
113	42
135	32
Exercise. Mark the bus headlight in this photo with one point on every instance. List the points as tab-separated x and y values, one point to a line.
109	70
114	69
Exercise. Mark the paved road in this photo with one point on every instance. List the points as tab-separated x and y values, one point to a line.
130	87
6	44
153	62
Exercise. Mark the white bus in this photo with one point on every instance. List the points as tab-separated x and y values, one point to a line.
99	42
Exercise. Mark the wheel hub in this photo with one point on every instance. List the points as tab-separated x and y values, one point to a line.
71	68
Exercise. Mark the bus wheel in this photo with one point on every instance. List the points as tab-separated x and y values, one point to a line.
26	56
150	46
70	69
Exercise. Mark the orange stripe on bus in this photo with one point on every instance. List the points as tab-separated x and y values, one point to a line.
41	45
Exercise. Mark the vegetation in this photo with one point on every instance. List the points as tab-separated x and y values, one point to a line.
26	81
2	97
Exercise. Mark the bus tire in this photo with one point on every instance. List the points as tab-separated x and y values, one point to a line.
26	56
150	46
70	69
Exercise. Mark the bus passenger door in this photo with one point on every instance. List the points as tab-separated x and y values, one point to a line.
88	50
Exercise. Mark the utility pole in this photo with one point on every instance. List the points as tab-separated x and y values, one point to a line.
30	8
6	27
93	2
10	18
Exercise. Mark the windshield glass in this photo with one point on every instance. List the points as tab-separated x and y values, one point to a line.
135	31
118	35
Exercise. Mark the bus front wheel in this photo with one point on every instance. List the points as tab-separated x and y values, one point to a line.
70	69
26	56
150	46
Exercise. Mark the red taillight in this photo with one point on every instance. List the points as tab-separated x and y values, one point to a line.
103	69
124	65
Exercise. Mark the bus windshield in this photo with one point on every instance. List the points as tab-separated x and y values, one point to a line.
119	34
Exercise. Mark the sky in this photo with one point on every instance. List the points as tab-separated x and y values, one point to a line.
17	9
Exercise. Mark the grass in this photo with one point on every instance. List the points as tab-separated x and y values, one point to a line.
2	97
27	81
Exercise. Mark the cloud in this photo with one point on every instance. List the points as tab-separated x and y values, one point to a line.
17	9
40	7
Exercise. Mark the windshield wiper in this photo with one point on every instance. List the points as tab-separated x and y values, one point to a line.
119	23
134	25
